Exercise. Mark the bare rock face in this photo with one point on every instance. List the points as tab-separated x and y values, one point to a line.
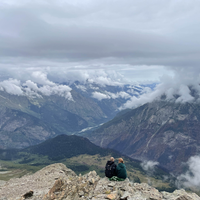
81	187
56	182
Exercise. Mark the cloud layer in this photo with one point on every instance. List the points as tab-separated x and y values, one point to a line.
109	95
99	34
176	88
149	166
39	84
31	89
110	43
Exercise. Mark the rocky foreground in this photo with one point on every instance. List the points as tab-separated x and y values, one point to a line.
58	182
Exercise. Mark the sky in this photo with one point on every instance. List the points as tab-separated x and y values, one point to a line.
141	39
109	41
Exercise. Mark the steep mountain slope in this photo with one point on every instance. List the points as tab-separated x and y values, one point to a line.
33	116
19	129
25	121
162	131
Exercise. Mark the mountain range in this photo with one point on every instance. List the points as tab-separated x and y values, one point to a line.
162	131
30	119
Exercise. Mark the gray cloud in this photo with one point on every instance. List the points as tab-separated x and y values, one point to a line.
11	86
100	96
48	75
110	95
31	89
111	42
180	83
149	165
34	83
136	33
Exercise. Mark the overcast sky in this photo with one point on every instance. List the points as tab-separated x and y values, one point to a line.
139	39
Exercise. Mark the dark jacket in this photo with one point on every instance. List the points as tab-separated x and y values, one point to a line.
121	171
110	169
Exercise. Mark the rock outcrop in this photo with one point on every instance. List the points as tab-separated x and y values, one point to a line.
40	182
56	182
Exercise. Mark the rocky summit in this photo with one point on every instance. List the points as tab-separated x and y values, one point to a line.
57	182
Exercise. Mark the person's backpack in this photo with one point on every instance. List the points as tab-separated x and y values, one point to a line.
109	170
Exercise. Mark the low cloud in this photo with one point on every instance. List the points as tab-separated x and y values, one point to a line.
135	101
61	90
109	95
41	82
122	94
31	89
177	88
41	78
100	96
149	166
192	177
11	86
107	78
51	75
81	87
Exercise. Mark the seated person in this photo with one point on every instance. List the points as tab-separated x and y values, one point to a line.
110	168
121	169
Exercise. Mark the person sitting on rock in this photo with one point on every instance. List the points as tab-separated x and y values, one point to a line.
121	169
110	168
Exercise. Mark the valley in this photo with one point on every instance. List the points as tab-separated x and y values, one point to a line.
29	119
42	130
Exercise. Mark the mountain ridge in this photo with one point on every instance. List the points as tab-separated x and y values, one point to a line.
161	131
55	113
